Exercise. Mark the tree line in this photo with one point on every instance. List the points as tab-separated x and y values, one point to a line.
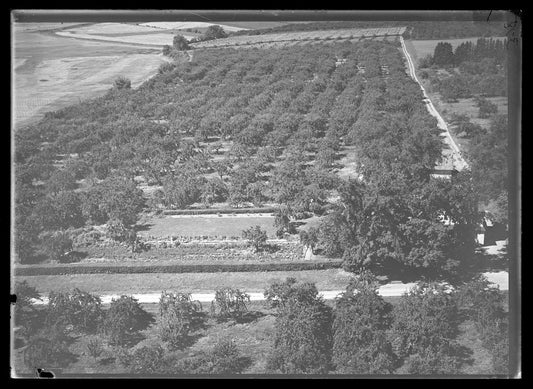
417	30
360	333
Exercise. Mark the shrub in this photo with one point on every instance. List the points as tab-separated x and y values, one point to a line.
256	237
486	108
433	360
25	293
362	317
426	316
26	316
94	347
229	303
279	294
180	43
302	338
57	245
178	315
117	231
147	360
424	330
483	304
309	238
124	318
48	349
122	82
223	358
80	309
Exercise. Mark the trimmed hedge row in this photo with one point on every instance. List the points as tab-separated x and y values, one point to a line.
215	211
178	268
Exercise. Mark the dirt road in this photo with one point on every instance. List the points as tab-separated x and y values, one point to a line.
453	151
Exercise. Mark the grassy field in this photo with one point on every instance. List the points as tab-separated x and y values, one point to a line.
211	226
151	39
332	279
54	72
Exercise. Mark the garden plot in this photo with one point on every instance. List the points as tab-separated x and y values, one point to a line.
207	225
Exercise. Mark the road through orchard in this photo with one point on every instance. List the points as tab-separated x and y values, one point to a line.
458	161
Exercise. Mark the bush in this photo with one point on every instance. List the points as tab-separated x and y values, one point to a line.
80	309
49	349
433	360
424	330
57	246
122	83
302	338
229	303
94	348
279	294
178	316
224	358
146	360
362	317
180	43
25	293
483	304
26	315
124	318
486	108
256	237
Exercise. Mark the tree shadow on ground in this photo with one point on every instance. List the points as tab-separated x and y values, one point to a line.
34	259
106	361
463	354
249	317
200	321
143	227
244	318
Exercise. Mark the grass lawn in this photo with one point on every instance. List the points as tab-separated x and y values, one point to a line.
331	279
210	226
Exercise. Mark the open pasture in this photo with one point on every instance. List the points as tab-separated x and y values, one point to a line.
151	39
226	225
112	29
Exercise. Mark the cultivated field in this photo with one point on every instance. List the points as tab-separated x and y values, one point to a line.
151	39
52	72
292	38
185	25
